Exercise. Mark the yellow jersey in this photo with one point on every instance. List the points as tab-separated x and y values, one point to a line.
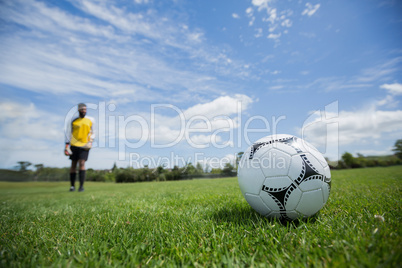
80	131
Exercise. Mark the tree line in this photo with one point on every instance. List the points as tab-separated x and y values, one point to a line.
115	174
189	171
349	161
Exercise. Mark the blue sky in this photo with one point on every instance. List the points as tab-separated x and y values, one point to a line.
198	80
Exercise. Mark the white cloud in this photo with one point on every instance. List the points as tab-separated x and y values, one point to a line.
218	162
258	33
128	22
250	14
273	28
224	105
235	16
276	87
274	36
388	102
394	89
261	3
380	72
365	79
61	53
26	121
355	126
251	22
53	156
276	72
34	152
204	122
277	20
272	16
141	1
37	15
310	9
287	23
29	134
366	126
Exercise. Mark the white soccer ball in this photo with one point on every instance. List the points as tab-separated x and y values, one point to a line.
284	177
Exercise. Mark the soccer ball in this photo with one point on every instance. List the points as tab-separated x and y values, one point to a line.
284	177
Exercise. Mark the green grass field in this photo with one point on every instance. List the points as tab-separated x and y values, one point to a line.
198	223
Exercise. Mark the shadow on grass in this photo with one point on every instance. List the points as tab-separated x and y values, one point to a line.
237	215
243	215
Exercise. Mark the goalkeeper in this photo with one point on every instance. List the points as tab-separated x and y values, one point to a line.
79	137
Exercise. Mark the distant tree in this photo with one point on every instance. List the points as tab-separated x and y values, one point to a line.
229	170
175	174
24	165
216	171
398	148
159	172
360	161
189	169
348	159
207	168
354	162
199	169
114	166
39	167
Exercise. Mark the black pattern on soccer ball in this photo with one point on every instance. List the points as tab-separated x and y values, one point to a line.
258	145
308	172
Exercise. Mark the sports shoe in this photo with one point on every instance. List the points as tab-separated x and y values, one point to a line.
72	189
81	189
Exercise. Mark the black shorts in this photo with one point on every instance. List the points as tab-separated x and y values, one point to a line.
79	153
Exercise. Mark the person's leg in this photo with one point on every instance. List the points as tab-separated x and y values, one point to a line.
73	174
82	172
